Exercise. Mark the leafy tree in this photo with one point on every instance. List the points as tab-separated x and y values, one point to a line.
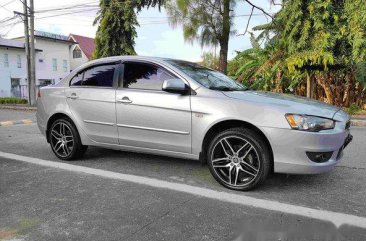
322	43
117	21
210	60
208	21
258	68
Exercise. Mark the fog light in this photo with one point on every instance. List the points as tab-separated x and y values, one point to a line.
319	157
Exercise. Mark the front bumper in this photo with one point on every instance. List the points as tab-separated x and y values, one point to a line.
290	146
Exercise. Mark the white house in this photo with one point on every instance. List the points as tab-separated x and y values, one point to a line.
56	56
13	69
53	63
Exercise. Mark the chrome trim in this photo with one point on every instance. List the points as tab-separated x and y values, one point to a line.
104	101
154	129
99	123
159	107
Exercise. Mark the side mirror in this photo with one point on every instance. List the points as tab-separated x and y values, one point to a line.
175	86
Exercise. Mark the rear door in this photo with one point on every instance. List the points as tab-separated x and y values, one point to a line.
91	98
148	117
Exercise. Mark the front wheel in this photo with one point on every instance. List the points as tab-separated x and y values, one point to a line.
65	140
239	159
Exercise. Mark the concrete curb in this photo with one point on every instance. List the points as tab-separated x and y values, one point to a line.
18	107
20	122
358	122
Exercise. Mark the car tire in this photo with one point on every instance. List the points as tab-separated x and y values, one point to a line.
239	159
65	140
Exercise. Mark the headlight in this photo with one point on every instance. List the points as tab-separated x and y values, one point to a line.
309	123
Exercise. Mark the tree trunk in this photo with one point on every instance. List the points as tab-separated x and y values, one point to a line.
327	90
345	99
308	86
224	41
278	82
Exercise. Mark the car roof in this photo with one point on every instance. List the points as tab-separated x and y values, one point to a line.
157	60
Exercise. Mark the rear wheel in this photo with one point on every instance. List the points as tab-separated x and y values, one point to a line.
65	140
239	159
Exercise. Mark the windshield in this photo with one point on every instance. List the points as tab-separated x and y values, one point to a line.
207	77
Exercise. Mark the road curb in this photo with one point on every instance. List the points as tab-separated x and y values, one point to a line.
18	107
358	122
20	122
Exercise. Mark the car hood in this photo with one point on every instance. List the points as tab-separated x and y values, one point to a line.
288	103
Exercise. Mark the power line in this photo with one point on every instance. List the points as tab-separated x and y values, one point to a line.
62	14
3	6
67	8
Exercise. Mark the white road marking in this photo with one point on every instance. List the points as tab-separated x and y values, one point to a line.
337	218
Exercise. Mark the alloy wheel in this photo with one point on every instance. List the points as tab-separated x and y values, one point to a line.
235	161
62	139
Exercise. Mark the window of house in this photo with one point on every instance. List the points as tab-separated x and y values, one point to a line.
64	65
6	60
54	64
19	61
101	75
144	76
76	54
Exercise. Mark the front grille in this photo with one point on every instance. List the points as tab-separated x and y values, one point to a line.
348	125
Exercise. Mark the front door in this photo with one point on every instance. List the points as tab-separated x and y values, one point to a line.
148	117
92	99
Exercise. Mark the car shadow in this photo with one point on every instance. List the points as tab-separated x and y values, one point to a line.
177	166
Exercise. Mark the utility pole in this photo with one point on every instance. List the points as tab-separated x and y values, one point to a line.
28	12
26	43
32	54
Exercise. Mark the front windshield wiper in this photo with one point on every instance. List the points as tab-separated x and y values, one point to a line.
225	88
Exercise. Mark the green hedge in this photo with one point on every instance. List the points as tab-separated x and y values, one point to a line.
353	109
12	100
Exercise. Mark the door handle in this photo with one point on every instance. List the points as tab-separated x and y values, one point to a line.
125	100
73	96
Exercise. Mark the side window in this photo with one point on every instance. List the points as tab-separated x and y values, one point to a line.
77	79
101	76
144	76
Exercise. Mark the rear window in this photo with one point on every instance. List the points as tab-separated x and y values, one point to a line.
100	76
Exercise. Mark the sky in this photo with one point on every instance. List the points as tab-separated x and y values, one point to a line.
155	36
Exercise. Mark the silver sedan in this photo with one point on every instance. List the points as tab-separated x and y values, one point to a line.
181	109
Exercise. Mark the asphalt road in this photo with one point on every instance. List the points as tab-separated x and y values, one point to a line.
43	203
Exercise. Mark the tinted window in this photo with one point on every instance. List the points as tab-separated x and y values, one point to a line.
101	75
207	77
77	79
144	76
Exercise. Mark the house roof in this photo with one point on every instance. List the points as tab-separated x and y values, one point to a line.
53	37
11	43
87	45
50	37
14	44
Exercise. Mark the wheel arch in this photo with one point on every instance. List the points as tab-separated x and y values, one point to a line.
227	124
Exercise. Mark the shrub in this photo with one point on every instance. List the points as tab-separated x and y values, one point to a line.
12	100
353	109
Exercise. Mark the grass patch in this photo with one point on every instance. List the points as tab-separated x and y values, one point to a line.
6	234
353	109
23	226
203	174
12	100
